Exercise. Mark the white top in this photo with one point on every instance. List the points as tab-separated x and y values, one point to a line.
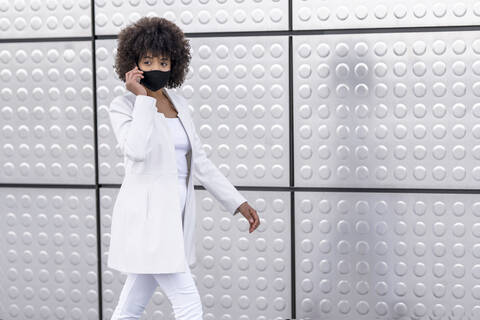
182	145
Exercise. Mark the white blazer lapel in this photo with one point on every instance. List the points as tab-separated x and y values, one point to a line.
183	115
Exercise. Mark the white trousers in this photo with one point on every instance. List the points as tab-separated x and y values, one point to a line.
179	287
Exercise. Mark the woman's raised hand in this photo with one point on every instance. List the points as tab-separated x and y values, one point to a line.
132	81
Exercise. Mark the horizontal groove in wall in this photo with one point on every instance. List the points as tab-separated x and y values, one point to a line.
258	188
268	33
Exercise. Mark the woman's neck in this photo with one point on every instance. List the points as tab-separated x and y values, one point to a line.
159	94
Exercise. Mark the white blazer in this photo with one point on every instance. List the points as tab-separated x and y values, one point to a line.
146	228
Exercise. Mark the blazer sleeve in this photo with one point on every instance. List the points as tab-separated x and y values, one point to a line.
213	179
132	129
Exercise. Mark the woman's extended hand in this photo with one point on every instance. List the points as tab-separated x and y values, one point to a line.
251	214
132	82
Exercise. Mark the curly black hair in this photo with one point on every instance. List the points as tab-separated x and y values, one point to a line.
159	36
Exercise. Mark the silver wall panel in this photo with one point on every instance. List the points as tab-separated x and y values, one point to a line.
390	110
346	14
45	19
387	256
48	254
238	94
238	89
47	113
238	274
382	110
244	275
110	158
195	16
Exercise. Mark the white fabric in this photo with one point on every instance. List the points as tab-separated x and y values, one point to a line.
180	289
182	145
183	197
145	237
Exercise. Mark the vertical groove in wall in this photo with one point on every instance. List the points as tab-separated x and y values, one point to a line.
291	162
292	251
97	188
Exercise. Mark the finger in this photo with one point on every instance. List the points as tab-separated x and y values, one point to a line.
135	77
130	75
257	219
253	213
134	72
246	214
254	219
251	218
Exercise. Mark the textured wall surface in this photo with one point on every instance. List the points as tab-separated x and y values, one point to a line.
352	127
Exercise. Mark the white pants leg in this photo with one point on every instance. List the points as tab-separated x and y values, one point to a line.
179	287
134	297
182	292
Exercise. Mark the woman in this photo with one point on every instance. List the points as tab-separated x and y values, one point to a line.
153	127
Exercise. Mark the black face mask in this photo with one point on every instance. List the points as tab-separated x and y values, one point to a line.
154	79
